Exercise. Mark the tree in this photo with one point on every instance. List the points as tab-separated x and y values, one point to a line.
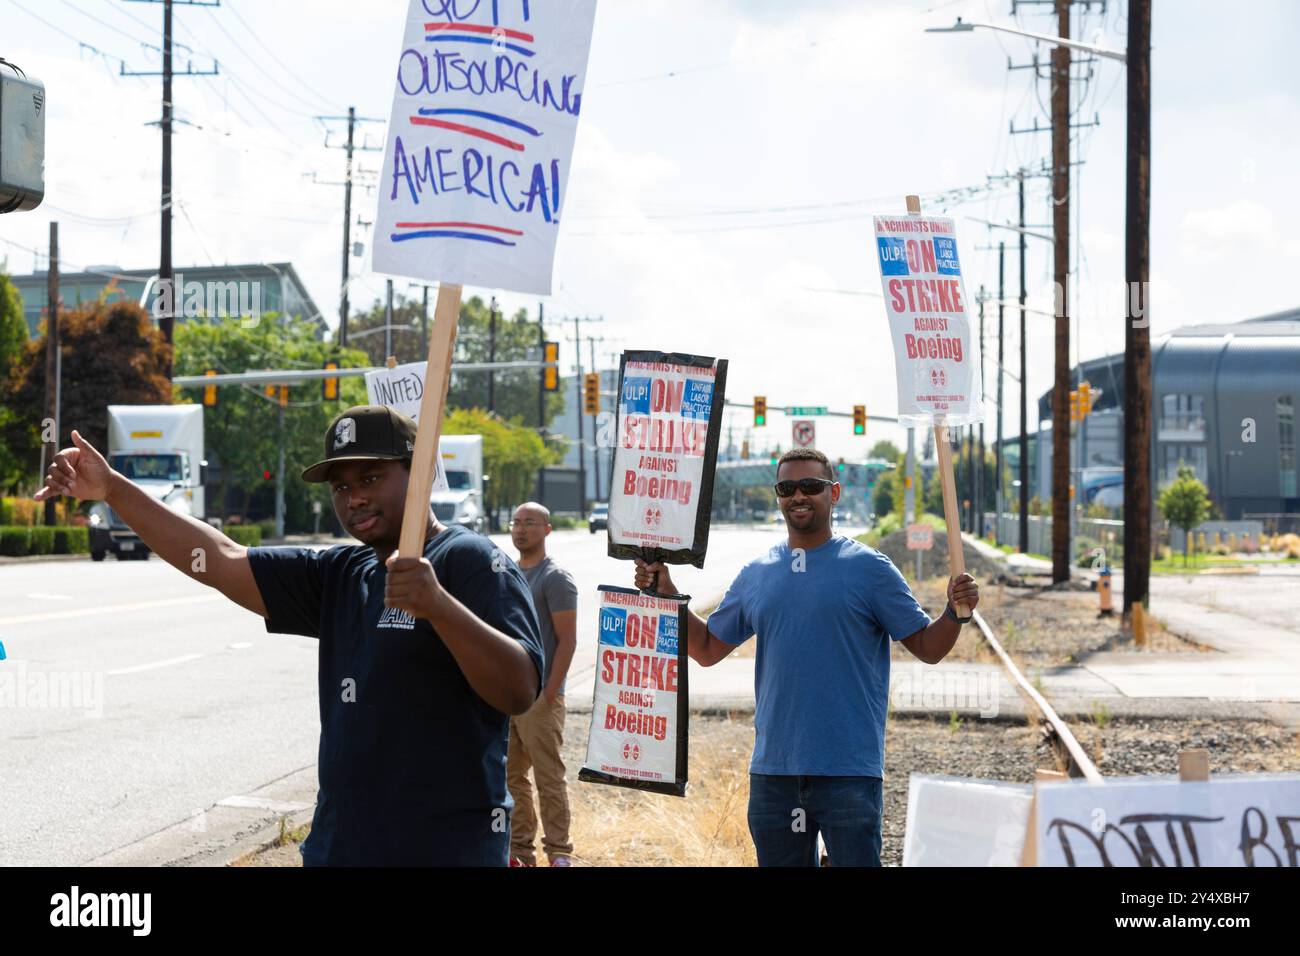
1185	504
111	355
242	432
512	454
882	499
13	347
886	450
515	391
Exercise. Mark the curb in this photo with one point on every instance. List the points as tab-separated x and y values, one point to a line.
41	558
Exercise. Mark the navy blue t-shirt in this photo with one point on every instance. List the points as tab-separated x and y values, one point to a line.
412	761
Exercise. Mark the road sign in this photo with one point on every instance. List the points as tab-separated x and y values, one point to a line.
804	433
920	537
805	409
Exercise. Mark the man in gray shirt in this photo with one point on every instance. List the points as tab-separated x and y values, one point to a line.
537	735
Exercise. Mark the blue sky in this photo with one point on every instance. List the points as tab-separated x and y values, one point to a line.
728	161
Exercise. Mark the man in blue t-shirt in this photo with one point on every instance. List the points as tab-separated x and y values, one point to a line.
824	608
421	660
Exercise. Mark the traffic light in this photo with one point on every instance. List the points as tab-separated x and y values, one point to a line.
284	396
744	448
760	411
1074	406
1085	399
329	387
210	391
840	466
270	390
591	393
551	374
859	419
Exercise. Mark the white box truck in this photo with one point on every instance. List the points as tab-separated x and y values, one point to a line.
160	449
462	501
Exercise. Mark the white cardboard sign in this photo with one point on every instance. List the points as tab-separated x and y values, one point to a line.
477	158
401	387
1230	820
953	821
929	321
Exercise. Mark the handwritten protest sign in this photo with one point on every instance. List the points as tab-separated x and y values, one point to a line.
478	149
925	299
954	821
402	387
1230	820
639	713
667	427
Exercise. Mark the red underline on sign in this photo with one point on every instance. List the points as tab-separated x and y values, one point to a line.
476	28
459	225
468	131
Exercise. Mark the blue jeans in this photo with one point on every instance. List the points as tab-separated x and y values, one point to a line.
786	814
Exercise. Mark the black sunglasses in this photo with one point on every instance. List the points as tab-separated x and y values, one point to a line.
809	486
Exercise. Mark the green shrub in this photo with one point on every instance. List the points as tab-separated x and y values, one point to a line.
565	522
15	540
42	540
71	541
249	535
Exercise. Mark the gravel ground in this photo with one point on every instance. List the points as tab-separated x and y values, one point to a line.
708	827
1040	627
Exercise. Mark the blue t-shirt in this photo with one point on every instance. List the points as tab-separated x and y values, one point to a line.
823	618
412	761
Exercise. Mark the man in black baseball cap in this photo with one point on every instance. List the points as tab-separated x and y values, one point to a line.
422	660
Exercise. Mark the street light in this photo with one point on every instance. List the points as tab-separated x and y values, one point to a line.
963	26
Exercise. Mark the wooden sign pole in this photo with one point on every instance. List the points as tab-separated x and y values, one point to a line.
437	376
956	558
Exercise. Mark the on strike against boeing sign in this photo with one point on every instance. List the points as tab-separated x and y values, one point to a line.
661	486
925	297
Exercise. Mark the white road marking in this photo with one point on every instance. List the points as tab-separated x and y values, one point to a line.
262	803
108	609
156	664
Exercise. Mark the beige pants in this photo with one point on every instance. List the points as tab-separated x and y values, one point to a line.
535	740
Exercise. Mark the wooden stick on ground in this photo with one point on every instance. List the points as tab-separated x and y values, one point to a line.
437	377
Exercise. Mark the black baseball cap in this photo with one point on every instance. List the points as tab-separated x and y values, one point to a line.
365	433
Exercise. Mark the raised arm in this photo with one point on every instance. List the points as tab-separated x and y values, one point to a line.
191	546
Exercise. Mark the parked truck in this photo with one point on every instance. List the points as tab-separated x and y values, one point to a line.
160	449
462	501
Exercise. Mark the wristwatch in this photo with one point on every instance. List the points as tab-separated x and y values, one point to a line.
949	612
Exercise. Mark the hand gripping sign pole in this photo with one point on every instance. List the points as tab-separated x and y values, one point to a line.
938	377
442	342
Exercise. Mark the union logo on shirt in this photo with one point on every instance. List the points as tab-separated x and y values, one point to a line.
395	617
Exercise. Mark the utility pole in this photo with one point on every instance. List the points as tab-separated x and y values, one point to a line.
1023	543
1061	505
541	396
352	119
492	354
1137	325
52	363
166	276
388	320
998	496
978	525
582	450
595	444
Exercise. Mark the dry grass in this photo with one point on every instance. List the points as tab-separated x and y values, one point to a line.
614	826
